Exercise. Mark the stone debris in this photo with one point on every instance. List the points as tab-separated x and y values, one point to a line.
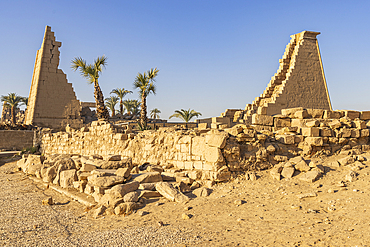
202	192
304	195
310	176
48	201
170	193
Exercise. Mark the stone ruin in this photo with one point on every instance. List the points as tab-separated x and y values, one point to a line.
52	100
283	129
298	82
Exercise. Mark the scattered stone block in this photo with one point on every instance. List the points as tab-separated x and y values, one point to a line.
262	120
310	132
346	160
310	176
301	114
149	177
113	157
105	181
302	166
202	192
67	177
121	190
123	172
315	141
288	172
132	196
170	193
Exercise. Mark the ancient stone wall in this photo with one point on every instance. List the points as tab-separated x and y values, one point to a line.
6	115
16	139
52	101
211	154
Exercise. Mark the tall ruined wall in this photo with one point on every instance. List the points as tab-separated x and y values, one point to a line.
52	101
299	81
16	139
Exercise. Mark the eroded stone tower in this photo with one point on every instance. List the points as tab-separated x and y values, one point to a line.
52	100
299	81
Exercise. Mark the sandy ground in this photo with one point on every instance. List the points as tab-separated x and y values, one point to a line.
271	214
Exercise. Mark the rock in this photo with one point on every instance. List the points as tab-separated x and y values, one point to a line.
99	211
184	180
135	170
122	189
154	168
195	185
47	201
87	167
302	166
216	140
67	177
113	157
120	209
275	172
170	193
202	192
149	194
149	177
351	176
334	164
346	160
123	172
105	181
310	176
147	186
132	196
33	164
48	174
183	187
113	164
304	195
252	176
238	202
288	172
186	216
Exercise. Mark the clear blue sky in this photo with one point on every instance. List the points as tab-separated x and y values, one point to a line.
212	55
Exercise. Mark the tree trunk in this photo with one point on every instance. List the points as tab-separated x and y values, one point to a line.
101	110
12	112
143	118
121	106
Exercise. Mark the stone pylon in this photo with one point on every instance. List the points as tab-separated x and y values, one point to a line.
52	100
299	81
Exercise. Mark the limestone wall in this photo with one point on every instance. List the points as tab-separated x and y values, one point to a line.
52	101
211	154
16	139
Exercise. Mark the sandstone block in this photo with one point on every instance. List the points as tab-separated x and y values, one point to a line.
288	172
262	120
132	196
365	115
290	111
48	174
302	166
87	167
331	114
67	177
213	155
275	172
216	140
315	113
122	189
311	132
149	177
301	114
352	114
123	172
310	176
202	192
185	180
202	126
170	193
105	181
365	133
346	160
282	122
149	194
315	141
113	157
285	139
326	132
222	174
147	186
359	124
355	133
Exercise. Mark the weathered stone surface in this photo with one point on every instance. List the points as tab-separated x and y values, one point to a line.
170	193
149	194
87	167
48	173
132	196
311	132
262	120
122	189
149	177
310	176
123	172
346	160
202	192
67	177
315	141
33	164
216	140
105	181
288	172
113	157
302	166
275	172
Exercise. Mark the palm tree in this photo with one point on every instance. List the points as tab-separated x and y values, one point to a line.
111	103
121	92
155	113
24	101
132	106
92	72
185	115
145	84
11	100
